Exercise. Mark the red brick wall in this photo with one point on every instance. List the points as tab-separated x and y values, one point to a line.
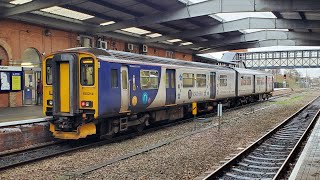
21	36
4	99
17	37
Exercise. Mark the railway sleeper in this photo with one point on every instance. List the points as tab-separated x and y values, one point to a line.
234	176
259	167
254	173
262	162
256	168
272	155
267	159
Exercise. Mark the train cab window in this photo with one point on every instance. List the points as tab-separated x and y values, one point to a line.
188	80
149	79
201	80
223	80
124	77
49	72
87	72
114	78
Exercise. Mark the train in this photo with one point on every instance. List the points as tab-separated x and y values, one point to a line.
93	91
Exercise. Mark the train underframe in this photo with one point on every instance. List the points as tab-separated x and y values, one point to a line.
80	127
109	127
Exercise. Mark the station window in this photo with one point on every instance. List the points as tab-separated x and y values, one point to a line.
114	78
49	72
223	80
87	72
188	80
149	79
201	80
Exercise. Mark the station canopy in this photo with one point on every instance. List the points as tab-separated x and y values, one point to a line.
191	26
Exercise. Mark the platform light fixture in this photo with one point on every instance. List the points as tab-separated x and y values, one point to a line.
154	35
136	30
186	43
107	23
67	13
18	2
26	64
174	40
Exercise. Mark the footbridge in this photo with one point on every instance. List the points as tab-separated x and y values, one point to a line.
277	59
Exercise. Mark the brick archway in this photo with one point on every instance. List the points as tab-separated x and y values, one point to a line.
4	58
5	53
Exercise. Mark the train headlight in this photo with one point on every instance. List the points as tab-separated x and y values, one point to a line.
86	104
49	102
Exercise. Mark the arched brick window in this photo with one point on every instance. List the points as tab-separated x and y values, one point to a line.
3	57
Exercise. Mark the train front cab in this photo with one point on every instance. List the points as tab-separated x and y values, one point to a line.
71	93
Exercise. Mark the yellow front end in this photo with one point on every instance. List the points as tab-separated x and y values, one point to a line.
47	86
81	110
82	132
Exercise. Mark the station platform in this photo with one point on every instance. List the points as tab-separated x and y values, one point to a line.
308	165
20	113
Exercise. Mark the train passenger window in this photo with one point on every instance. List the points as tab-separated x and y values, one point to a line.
188	80
149	79
167	80
172	81
259	81
114	78
49	72
245	81
124	79
223	79
87	72
201	80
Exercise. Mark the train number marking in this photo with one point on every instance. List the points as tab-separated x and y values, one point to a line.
87	93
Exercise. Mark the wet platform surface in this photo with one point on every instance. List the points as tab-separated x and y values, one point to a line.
20	113
308	165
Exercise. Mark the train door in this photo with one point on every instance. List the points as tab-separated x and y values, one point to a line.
125	92
266	84
64	87
213	85
170	86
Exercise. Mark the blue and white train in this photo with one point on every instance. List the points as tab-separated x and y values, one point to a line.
101	92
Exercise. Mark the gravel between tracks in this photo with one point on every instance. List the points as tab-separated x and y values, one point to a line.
183	159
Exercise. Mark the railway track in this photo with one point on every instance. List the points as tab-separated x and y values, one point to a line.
271	155
14	159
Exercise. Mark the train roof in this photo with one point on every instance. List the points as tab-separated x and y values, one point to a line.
134	58
250	71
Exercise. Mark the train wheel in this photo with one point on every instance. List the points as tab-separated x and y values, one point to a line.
140	127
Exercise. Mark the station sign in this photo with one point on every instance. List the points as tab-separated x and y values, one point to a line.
10	78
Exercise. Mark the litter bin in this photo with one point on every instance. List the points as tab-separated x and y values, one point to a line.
27	96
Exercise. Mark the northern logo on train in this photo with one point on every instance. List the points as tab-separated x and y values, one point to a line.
145	98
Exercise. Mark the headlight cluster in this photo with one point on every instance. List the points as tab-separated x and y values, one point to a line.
49	102
86	104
